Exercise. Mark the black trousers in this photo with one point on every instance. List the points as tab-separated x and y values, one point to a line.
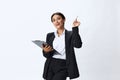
57	70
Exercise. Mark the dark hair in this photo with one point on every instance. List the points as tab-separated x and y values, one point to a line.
58	13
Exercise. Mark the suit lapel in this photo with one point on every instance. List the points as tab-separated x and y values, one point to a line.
51	39
67	46
66	41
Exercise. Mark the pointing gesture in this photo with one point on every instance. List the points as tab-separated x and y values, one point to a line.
76	23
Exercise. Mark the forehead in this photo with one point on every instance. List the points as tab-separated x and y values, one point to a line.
56	16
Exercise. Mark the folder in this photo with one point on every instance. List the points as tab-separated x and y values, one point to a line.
39	43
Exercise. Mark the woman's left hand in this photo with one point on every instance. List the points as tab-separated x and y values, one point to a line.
76	23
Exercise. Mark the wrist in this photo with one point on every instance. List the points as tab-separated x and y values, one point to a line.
75	29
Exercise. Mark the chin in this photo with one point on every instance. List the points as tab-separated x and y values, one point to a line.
58	27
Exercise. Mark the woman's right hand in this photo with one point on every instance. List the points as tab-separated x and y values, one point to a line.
47	48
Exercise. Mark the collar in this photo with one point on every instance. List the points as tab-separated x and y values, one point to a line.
56	34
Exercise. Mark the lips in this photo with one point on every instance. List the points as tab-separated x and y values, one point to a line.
57	24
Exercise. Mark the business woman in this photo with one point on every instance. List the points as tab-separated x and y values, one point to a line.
59	53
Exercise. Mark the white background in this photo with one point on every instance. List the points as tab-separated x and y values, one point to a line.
24	20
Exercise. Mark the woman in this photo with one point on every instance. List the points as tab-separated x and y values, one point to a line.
60	57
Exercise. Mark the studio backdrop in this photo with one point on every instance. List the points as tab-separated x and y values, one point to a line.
22	21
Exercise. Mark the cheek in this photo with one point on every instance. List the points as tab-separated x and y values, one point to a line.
53	23
61	21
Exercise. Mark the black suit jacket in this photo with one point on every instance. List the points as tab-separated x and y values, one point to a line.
72	39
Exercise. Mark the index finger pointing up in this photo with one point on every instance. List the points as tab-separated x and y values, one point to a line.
76	18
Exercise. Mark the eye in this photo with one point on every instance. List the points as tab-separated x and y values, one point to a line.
58	18
53	20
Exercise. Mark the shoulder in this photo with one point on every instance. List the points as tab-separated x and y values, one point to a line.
68	32
50	34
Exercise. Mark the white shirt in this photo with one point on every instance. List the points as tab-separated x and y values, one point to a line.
59	45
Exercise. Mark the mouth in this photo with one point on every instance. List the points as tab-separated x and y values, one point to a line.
57	24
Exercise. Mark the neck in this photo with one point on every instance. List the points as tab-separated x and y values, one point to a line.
60	31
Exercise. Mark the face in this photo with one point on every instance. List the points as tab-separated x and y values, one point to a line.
58	21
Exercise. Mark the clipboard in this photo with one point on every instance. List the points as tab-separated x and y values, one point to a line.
39	43
42	43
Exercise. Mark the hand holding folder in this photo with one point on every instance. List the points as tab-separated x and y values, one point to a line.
46	47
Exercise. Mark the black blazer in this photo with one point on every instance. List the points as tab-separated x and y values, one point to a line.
72	39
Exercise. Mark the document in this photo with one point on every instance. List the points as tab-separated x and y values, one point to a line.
42	43
39	43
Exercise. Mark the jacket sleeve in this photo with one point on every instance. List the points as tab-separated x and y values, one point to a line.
49	54
76	39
